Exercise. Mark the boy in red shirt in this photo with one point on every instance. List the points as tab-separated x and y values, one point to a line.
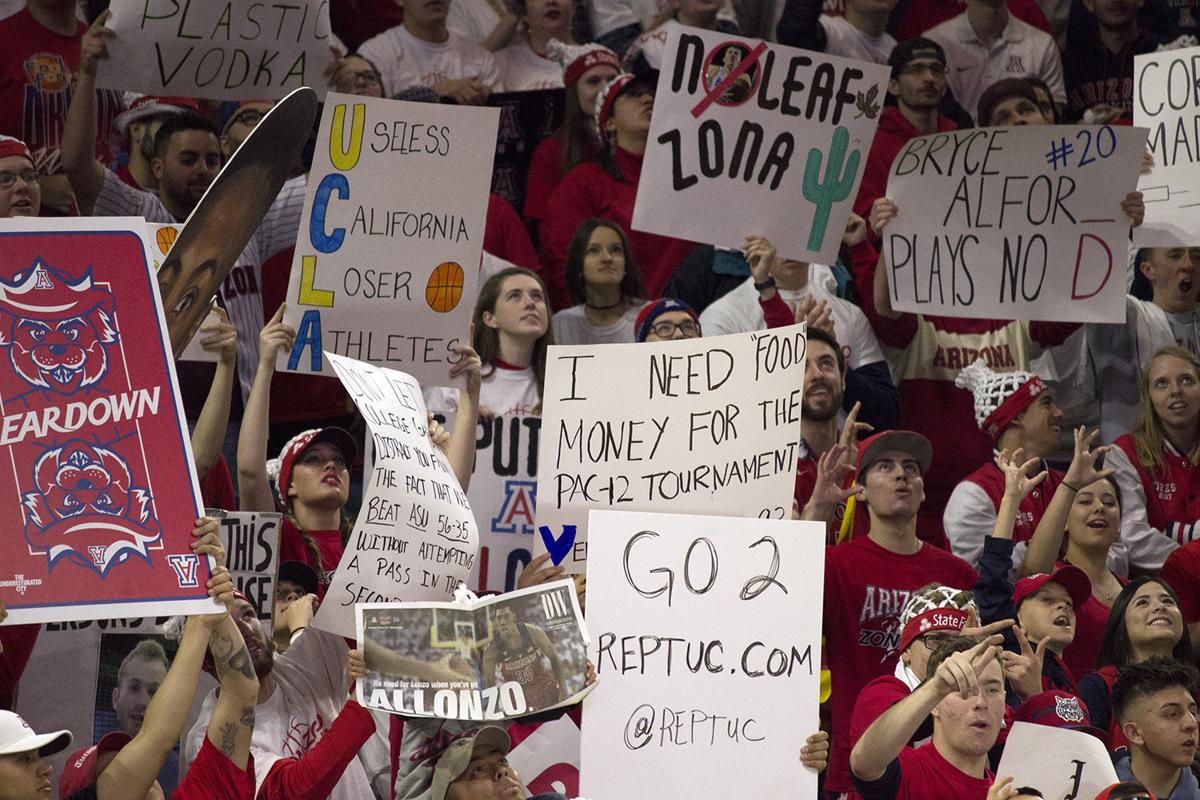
965	697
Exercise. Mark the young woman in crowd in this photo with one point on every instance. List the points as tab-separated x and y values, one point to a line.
608	189
1145	622
585	71
525	64
1156	464
1086	507
511	333
604	282
312	474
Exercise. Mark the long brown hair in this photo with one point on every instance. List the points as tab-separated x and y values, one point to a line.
345	526
1148	438
579	143
631	282
487	339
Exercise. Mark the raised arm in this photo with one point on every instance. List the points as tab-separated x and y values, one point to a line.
460	452
1046	544
254	486
209	433
84	172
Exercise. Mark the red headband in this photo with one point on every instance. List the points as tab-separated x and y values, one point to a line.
935	619
14	147
1012	407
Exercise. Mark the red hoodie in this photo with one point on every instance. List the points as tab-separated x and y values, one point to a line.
893	133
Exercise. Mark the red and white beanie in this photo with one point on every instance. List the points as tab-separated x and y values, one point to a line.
10	146
1000	397
577	59
936	608
605	100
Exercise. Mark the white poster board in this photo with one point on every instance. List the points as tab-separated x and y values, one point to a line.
251	542
1165	101
415	537
232	50
1013	223
1061	763
386	268
707	426
750	137
740	601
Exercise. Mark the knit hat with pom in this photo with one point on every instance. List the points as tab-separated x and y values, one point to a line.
1000	397
578	59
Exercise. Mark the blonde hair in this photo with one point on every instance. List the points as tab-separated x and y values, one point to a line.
1148	438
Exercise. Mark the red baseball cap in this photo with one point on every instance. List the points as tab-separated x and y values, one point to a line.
80	771
338	437
911	442
1059	709
1071	578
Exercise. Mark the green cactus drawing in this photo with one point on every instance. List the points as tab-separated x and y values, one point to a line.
832	189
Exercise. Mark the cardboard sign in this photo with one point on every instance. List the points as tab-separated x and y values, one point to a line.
1062	763
1013	223
251	543
230	50
386	269
706	636
500	658
98	492
221	224
778	134
708	426
415	537
1165	101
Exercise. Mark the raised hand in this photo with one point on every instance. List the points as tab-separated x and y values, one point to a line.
882	212
1023	670
220	337
815	752
760	255
1017	481
275	336
536	572
206	540
960	671
94	46
1083	469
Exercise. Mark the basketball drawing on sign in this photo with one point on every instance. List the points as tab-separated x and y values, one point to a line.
445	287
83	505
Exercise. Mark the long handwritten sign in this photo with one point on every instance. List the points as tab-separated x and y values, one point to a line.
1014	223
98	491
707	426
387	264
706	636
415	537
1165	101
231	50
779	134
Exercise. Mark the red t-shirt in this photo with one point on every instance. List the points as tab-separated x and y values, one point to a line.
1090	618
1182	573
37	68
329	544
212	776
866	588
924	775
545	173
505	237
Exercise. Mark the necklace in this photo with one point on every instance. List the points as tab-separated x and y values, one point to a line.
604	308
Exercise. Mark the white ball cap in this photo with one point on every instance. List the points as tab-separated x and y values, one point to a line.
17	737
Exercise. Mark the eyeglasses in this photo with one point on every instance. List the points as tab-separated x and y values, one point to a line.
935	69
933	641
665	330
364	76
251	117
8	179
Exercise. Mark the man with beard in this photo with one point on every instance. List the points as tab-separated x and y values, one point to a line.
138	126
307	729
915	92
783	292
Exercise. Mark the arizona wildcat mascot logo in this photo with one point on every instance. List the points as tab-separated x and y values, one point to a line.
84	505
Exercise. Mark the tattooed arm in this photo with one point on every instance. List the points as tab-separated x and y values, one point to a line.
232	721
134	769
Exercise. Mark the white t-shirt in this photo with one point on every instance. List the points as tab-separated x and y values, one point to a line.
404	61
1022	51
739	312
847	41
523	70
506	392
571	326
310	690
651	45
608	15
473	20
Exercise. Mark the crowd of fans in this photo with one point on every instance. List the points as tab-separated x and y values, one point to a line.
1011	506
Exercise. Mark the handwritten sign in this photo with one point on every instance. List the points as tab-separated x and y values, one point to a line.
708	426
1165	101
387	265
777	133
232	50
706	636
251	542
98	492
1014	223
503	493
1062	763
415	537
